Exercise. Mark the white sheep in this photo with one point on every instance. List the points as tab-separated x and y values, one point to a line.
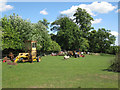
66	57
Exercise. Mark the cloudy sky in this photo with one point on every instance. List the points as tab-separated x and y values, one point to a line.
105	14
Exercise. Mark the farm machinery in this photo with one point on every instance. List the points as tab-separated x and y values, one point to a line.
30	54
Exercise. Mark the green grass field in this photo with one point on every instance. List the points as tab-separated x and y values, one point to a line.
55	72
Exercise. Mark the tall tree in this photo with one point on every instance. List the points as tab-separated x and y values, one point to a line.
45	22
83	19
69	35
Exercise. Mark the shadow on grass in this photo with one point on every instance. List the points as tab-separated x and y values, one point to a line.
67	59
109	70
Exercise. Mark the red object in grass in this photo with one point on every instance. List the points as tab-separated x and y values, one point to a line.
4	60
83	56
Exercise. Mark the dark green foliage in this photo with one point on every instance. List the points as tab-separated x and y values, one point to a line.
100	41
69	35
115	66
113	49
75	34
83	19
53	37
93	41
6	52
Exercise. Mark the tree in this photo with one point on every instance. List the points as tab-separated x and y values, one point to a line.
115	64
56	24
53	37
101	40
93	42
15	31
44	41
83	19
37	34
73	34
44	22
69	35
113	50
54	47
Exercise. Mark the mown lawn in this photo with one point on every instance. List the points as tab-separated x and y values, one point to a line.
55	72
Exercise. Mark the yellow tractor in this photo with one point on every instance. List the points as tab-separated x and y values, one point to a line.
30	55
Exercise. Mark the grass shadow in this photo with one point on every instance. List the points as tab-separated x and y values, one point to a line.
109	70
64	59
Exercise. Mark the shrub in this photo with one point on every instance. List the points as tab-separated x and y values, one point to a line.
113	50
54	47
115	66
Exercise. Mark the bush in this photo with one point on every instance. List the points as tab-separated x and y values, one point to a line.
54	47
115	66
105	54
113	50
102	54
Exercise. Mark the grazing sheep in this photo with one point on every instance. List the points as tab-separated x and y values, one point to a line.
66	57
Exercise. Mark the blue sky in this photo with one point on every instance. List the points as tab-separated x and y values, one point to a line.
105	14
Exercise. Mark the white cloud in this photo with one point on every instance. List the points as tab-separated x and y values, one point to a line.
116	42
114	33
73	9
96	21
44	12
51	22
102	7
4	6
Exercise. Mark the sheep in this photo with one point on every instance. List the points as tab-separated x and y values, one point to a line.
66	57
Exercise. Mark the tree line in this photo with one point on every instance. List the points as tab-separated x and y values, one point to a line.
15	31
78	33
72	34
